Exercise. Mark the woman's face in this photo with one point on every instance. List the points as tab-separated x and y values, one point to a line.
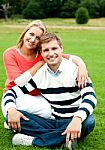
32	37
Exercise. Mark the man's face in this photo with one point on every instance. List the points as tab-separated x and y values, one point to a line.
52	53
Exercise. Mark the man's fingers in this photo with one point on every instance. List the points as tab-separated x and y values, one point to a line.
15	126
19	126
63	133
24	117
9	124
67	137
78	134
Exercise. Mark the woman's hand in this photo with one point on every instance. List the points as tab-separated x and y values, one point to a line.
82	76
14	117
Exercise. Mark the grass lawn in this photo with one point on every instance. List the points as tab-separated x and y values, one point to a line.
89	45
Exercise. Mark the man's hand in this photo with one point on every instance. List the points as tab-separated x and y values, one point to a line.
73	130
14	117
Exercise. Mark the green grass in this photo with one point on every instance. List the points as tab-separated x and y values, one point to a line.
89	45
55	21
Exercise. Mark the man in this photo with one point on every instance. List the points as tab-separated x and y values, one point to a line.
72	108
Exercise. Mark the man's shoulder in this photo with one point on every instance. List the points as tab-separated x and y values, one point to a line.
42	69
68	63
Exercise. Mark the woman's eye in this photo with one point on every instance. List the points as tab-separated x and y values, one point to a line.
37	37
54	48
32	34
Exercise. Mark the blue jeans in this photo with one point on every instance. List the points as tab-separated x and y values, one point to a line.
47	132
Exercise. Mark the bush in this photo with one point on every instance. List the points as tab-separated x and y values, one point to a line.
102	8
33	11
92	7
82	15
68	9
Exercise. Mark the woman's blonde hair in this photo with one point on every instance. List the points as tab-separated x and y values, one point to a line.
36	23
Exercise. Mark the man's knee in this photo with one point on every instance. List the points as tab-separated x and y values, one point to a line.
88	126
90	121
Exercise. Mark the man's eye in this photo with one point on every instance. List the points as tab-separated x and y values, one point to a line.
45	50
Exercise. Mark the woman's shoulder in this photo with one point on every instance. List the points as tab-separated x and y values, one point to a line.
10	50
39	57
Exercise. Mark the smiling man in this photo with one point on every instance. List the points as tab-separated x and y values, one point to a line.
72	108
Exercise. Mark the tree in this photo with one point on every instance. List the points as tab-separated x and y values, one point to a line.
68	9
17	6
5	7
92	6
33	10
82	15
51	7
102	8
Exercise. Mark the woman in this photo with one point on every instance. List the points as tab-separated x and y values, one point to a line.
21	63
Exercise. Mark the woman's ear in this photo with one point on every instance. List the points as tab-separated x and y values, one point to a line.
62	48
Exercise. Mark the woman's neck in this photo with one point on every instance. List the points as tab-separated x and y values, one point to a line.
29	54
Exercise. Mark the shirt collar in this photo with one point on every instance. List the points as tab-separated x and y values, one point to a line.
59	70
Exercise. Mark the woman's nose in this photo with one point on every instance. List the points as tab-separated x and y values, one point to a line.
33	38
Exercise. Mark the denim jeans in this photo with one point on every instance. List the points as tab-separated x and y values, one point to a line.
47	132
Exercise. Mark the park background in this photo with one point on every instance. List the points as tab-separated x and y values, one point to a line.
84	40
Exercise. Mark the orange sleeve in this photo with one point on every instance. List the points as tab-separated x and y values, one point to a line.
67	56
11	66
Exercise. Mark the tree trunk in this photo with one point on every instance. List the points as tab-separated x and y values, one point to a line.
5	10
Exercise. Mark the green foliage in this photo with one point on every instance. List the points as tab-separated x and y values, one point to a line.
51	7
68	9
33	10
1	1
82	15
102	8
17	6
92	6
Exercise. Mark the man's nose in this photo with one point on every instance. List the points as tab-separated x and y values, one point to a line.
51	52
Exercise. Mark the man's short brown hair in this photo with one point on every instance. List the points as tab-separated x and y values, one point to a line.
48	36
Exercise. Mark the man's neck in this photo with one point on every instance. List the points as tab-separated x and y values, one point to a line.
53	68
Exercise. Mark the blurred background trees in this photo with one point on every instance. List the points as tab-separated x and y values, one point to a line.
34	9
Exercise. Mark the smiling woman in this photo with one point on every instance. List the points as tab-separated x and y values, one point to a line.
30	42
21	63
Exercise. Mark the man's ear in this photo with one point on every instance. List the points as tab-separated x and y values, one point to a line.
41	53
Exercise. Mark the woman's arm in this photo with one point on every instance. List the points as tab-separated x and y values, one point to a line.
14	72
26	76
82	75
